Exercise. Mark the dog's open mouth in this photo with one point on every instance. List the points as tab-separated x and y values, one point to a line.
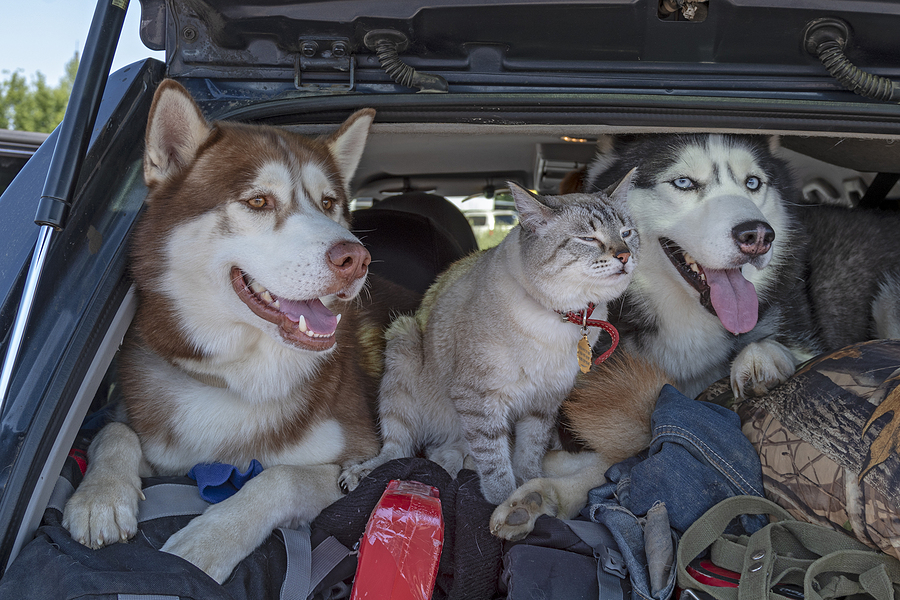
723	292
305	323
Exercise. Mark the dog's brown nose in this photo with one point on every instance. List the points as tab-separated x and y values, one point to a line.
754	238
349	260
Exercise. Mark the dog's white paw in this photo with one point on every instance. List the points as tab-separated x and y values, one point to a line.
103	510
514	518
280	496
215	547
760	367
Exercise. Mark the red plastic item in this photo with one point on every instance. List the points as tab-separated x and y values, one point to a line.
704	571
401	548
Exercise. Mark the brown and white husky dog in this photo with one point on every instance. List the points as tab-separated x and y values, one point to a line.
249	341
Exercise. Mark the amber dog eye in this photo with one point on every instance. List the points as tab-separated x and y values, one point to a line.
257	202
327	203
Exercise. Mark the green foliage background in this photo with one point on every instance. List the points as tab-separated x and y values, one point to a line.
37	106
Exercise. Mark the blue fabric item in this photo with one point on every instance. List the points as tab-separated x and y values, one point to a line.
219	481
628	531
697	457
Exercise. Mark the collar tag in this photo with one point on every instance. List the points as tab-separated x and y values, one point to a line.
584	354
584	349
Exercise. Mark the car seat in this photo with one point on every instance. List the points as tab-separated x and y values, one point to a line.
446	215
413	238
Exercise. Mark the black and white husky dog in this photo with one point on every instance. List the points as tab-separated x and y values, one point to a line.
737	277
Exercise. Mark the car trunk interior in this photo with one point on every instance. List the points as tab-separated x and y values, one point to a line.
465	159
533	89
456	160
442	154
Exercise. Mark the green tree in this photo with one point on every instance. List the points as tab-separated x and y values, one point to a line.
38	106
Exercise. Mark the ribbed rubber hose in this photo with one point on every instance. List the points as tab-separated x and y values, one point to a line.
402	73
831	53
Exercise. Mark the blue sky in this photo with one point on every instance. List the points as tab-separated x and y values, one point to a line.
42	35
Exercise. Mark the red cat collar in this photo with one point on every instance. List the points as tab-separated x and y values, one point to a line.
583	318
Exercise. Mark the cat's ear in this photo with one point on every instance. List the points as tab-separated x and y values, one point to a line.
618	192
533	214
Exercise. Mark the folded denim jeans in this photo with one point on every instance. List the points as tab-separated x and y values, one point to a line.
697	457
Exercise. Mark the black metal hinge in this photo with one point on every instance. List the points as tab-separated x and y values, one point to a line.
318	54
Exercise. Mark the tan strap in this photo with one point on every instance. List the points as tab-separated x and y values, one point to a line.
785	552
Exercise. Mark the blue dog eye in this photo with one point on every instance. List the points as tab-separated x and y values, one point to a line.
753	183
683	183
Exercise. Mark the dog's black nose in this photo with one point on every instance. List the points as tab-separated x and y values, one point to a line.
754	238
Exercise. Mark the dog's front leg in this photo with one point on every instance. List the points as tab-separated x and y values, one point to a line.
227	532
760	367
103	510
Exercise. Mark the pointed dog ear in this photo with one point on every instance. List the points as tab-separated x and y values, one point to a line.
533	213
348	143
175	131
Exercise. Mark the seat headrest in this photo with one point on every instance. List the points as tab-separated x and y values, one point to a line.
441	211
407	248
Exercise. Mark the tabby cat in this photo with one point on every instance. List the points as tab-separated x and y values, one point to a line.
488	358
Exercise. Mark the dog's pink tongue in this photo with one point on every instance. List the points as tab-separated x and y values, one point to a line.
318	318
734	299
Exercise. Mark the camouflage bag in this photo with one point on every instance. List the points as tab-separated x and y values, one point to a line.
828	441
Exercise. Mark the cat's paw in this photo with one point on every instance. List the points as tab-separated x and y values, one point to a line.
451	458
514	518
351	476
497	488
760	367
103	511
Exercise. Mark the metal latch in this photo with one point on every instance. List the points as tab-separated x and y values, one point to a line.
318	54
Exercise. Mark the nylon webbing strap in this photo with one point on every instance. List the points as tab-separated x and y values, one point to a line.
161	500
879	575
62	491
170	500
708	528
610	563
325	557
783	552
307	567
296	585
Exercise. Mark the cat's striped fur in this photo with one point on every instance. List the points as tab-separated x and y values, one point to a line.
488	358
